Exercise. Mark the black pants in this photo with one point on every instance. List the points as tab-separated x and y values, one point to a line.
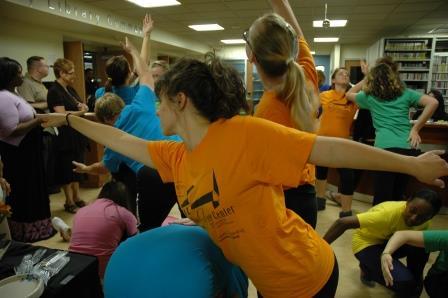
302	200
346	177
436	285
407	278
49	158
155	198
128	178
392	186
330	287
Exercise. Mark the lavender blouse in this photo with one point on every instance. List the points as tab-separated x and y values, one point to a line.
13	110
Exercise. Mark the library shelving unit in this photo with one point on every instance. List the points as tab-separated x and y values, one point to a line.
439	76
413	56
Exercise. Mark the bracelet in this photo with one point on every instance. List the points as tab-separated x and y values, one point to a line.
66	119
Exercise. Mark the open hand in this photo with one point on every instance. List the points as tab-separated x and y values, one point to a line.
80	167
148	24
387	267
128	46
414	138
364	67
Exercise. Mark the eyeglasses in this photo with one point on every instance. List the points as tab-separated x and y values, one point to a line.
246	39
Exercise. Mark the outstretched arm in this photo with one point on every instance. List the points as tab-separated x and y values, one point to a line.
340	226
340	153
111	137
140	66
282	8
399	239
148	25
97	168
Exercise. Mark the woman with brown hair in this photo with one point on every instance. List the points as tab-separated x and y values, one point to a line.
387	98
276	45
70	145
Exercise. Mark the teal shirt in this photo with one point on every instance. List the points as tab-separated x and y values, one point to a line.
390	118
437	241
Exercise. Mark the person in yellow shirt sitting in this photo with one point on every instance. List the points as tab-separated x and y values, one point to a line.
376	226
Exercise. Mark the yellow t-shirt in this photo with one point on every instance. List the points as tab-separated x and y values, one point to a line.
379	223
274	109
231	185
337	114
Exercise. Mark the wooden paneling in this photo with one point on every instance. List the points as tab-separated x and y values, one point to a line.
74	51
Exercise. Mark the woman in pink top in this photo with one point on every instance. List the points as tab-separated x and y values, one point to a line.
21	152
99	227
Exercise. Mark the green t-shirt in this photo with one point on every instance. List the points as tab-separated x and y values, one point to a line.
390	118
379	223
437	241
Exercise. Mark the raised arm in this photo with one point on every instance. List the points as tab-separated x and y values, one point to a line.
399	239
148	25
351	93
430	105
140	66
282	8
340	226
111	137
341	153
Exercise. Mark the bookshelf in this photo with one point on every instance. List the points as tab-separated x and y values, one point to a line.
439	75
413	56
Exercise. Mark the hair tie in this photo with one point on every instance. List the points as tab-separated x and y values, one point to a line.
289	60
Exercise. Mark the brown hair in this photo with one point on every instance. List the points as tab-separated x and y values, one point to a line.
388	61
333	76
274	44
62	65
108	106
383	83
215	89
117	70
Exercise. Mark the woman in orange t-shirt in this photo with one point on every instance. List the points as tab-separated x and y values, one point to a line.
230	171
336	121
276	45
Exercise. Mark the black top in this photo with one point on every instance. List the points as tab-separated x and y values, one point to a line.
68	139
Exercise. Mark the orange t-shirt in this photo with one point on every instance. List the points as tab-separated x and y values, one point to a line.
337	114
231	185
274	109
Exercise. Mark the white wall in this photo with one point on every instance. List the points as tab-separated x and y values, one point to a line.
20	41
232	52
352	52
374	52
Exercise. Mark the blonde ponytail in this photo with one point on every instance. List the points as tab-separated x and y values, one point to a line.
300	98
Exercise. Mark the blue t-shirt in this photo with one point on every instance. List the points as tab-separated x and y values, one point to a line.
172	261
390	118
138	119
127	93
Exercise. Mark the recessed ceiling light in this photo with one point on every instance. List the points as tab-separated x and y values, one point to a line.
233	41
326	39
154	3
206	27
333	23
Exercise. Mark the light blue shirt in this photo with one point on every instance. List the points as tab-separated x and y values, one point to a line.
138	119
127	93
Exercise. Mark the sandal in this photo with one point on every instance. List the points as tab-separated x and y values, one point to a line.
80	203
331	195
70	208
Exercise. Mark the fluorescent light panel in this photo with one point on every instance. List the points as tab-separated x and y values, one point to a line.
154	3
313	53
333	23
206	27
326	39
233	41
